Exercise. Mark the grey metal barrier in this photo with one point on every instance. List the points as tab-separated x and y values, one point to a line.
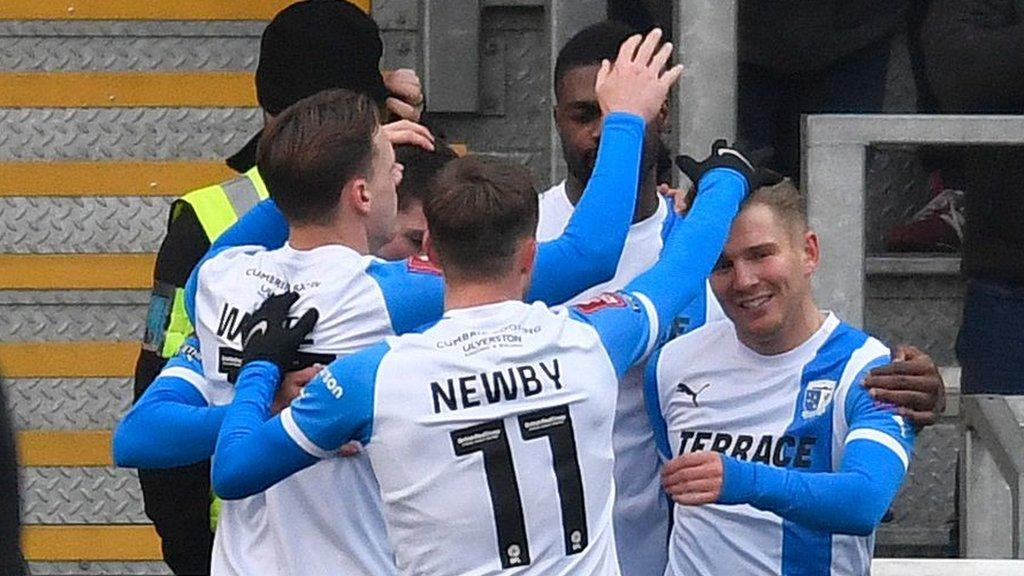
992	477
903	566
834	152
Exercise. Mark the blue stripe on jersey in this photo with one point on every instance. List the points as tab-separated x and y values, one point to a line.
336	407
805	550
413	295
652	401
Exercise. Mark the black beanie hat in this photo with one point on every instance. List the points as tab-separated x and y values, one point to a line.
315	45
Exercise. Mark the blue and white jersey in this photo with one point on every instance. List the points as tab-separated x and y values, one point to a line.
298	526
490	434
641	511
477	425
800	413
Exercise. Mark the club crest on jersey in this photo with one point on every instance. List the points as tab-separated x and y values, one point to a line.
423	265
606	300
817	397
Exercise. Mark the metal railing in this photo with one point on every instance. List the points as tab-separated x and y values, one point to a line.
834	152
903	567
992	477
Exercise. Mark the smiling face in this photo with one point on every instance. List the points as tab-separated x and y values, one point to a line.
763	280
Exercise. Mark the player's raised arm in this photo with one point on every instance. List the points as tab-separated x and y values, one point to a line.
632	322
631	92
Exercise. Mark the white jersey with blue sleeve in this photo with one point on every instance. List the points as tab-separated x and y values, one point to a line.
445	405
299	527
811	462
490	435
642	513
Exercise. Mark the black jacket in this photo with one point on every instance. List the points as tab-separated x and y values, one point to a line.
974	55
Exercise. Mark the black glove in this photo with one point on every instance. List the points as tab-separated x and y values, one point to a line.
722	156
268	336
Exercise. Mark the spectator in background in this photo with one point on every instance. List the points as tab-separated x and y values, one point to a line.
419	168
805	57
308	47
11	561
974	58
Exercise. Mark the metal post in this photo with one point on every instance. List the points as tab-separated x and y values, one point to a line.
836	212
705	32
565	19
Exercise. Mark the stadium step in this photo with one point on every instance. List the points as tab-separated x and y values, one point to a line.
110	109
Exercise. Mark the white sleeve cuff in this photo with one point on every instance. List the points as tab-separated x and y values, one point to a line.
883	439
300	438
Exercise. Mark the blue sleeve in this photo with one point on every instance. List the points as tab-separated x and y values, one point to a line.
171	424
254	453
851	500
413	292
622	321
691	249
587	253
652	402
264	225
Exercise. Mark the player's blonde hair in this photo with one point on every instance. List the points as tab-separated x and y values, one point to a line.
786	201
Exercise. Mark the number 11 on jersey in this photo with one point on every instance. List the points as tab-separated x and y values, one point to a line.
491	439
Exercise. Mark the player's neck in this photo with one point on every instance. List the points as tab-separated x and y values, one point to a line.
646	200
466	294
308	237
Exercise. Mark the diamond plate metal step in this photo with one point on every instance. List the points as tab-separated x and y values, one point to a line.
128	52
41	225
68	403
125	133
58	322
70	495
86	568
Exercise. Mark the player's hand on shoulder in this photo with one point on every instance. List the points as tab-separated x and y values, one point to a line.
637	82
270	335
695	478
912	383
725	156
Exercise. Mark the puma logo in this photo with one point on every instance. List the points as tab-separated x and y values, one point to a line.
693	395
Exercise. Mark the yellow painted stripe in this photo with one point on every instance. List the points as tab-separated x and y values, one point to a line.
64	448
108	178
68	359
76	271
147	9
127	89
95	542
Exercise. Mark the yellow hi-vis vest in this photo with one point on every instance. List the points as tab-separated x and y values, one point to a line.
217	207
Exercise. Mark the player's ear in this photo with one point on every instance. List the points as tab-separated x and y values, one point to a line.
526	255
356	195
811	252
